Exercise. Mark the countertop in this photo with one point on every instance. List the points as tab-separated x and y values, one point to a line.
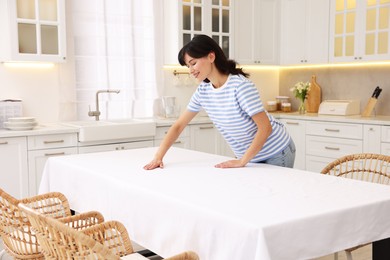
355	119
62	127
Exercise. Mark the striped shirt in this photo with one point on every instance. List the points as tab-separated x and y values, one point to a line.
230	108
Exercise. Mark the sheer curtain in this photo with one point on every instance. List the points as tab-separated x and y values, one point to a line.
116	46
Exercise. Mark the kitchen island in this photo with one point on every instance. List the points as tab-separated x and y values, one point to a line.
257	212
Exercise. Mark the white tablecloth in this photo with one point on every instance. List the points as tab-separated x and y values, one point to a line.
258	212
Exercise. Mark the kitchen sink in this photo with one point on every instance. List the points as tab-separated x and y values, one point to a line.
125	129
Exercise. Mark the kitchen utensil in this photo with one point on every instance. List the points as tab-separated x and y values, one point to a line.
372	102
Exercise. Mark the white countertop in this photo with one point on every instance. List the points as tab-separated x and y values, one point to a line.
62	127
41	129
356	119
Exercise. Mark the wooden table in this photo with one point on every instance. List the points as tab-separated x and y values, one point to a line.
257	212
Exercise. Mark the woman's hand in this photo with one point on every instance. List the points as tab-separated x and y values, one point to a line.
155	163
230	164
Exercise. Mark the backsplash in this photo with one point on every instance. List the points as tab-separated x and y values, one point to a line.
352	82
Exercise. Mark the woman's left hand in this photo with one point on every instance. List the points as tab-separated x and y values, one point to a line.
230	164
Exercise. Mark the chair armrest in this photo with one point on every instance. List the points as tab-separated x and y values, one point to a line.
188	255
83	220
53	204
112	234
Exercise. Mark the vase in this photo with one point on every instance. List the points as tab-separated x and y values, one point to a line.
302	108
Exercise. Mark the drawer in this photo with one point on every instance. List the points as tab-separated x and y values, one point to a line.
182	142
161	131
351	131
332	147
51	141
385	133
316	163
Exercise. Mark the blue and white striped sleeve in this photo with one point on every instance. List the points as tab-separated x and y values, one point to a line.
249	98
194	104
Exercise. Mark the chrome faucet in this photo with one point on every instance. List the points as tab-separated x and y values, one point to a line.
96	113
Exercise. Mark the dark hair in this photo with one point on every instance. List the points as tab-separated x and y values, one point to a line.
200	46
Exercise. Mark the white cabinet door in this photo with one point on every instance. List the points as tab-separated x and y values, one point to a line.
372	139
13	161
204	138
297	131
32	30
304	33
36	164
359	31
256	31
184	19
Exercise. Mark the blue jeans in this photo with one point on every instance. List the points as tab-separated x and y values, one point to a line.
285	158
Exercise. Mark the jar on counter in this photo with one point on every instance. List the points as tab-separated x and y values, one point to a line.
280	100
286	107
271	106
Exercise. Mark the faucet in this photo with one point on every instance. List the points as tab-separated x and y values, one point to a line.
96	113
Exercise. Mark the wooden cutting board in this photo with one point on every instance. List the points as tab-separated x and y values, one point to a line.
313	99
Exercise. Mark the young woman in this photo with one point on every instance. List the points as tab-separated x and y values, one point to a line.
233	104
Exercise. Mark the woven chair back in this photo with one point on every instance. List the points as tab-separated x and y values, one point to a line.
59	241
363	166
18	238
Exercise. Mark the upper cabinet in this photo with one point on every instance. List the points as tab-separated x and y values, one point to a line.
304	32
359	30
33	30
184	19
256	31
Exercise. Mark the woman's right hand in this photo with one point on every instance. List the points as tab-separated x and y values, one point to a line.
155	163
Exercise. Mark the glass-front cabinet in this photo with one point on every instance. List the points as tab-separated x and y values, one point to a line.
360	30
193	17
34	30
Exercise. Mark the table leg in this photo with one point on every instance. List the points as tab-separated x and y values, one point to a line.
381	249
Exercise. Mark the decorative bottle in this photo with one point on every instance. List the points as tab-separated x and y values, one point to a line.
313	99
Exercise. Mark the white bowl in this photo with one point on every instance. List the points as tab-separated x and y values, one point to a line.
21	119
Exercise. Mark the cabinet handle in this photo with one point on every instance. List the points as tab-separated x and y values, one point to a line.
332	130
53	142
54	154
4	142
178	142
206	127
332	148
292	123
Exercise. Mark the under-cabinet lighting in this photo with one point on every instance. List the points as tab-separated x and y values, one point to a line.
335	65
40	65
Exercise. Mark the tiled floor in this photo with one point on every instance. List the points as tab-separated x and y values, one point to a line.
363	253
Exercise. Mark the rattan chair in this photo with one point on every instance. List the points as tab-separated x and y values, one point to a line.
15	230
108	240
363	166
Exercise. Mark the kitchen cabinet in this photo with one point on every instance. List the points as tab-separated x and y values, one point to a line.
186	18
297	131
115	146
13	161
328	141
256	31
304	32
183	141
42	147
204	138
359	30
385	140
32	30
372	139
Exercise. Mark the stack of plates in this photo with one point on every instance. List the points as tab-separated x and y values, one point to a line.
20	123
